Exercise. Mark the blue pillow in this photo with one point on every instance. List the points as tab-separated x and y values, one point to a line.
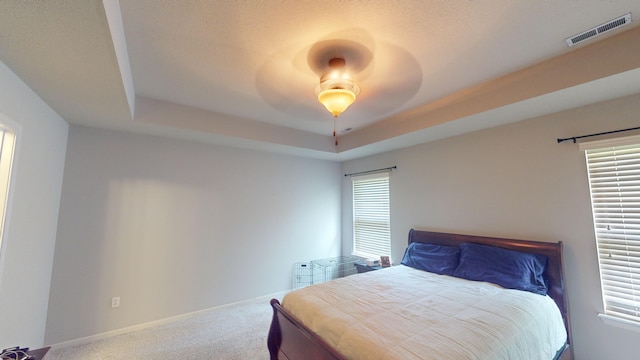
439	259
507	268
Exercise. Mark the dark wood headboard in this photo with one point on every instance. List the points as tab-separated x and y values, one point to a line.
554	272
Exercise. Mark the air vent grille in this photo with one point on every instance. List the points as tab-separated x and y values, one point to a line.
599	30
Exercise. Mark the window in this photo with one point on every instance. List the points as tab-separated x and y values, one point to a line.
7	144
371	220
614	180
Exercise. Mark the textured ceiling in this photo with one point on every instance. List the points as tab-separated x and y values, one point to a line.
243	73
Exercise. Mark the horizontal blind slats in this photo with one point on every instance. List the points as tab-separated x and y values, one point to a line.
371	224
614	180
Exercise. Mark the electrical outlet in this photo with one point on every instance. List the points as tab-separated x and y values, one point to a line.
115	302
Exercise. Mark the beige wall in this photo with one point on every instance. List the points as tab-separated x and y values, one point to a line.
513	181
27	248
173	227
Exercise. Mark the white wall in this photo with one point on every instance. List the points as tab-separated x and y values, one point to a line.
513	181
27	250
173	227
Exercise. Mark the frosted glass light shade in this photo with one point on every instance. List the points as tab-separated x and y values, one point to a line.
336	100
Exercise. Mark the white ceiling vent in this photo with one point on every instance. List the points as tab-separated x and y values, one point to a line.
600	29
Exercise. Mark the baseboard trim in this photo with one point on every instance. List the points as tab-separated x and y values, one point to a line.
108	334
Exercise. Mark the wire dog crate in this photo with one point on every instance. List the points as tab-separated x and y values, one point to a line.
319	271
332	268
302	275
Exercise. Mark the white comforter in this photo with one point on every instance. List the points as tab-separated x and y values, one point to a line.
404	313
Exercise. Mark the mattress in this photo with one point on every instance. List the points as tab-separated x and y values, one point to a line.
405	313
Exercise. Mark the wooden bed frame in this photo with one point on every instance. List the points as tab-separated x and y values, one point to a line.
289	339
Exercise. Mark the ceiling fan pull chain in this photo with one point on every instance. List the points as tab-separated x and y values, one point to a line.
334	131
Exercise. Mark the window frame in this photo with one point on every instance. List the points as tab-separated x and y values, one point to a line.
374	240
14	129
616	226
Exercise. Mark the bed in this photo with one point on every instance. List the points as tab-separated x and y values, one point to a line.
405	312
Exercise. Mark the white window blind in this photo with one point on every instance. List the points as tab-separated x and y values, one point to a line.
371	220
614	180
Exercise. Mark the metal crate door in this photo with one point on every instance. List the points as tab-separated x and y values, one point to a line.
301	275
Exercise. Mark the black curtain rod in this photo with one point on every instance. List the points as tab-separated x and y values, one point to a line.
371	171
590	135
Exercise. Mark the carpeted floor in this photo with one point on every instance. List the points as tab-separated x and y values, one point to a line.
237	331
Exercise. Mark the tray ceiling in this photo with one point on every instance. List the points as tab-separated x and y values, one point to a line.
243	73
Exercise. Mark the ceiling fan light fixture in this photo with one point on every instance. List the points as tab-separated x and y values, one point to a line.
337	89
336	100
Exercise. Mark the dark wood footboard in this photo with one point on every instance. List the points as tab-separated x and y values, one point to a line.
288	339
